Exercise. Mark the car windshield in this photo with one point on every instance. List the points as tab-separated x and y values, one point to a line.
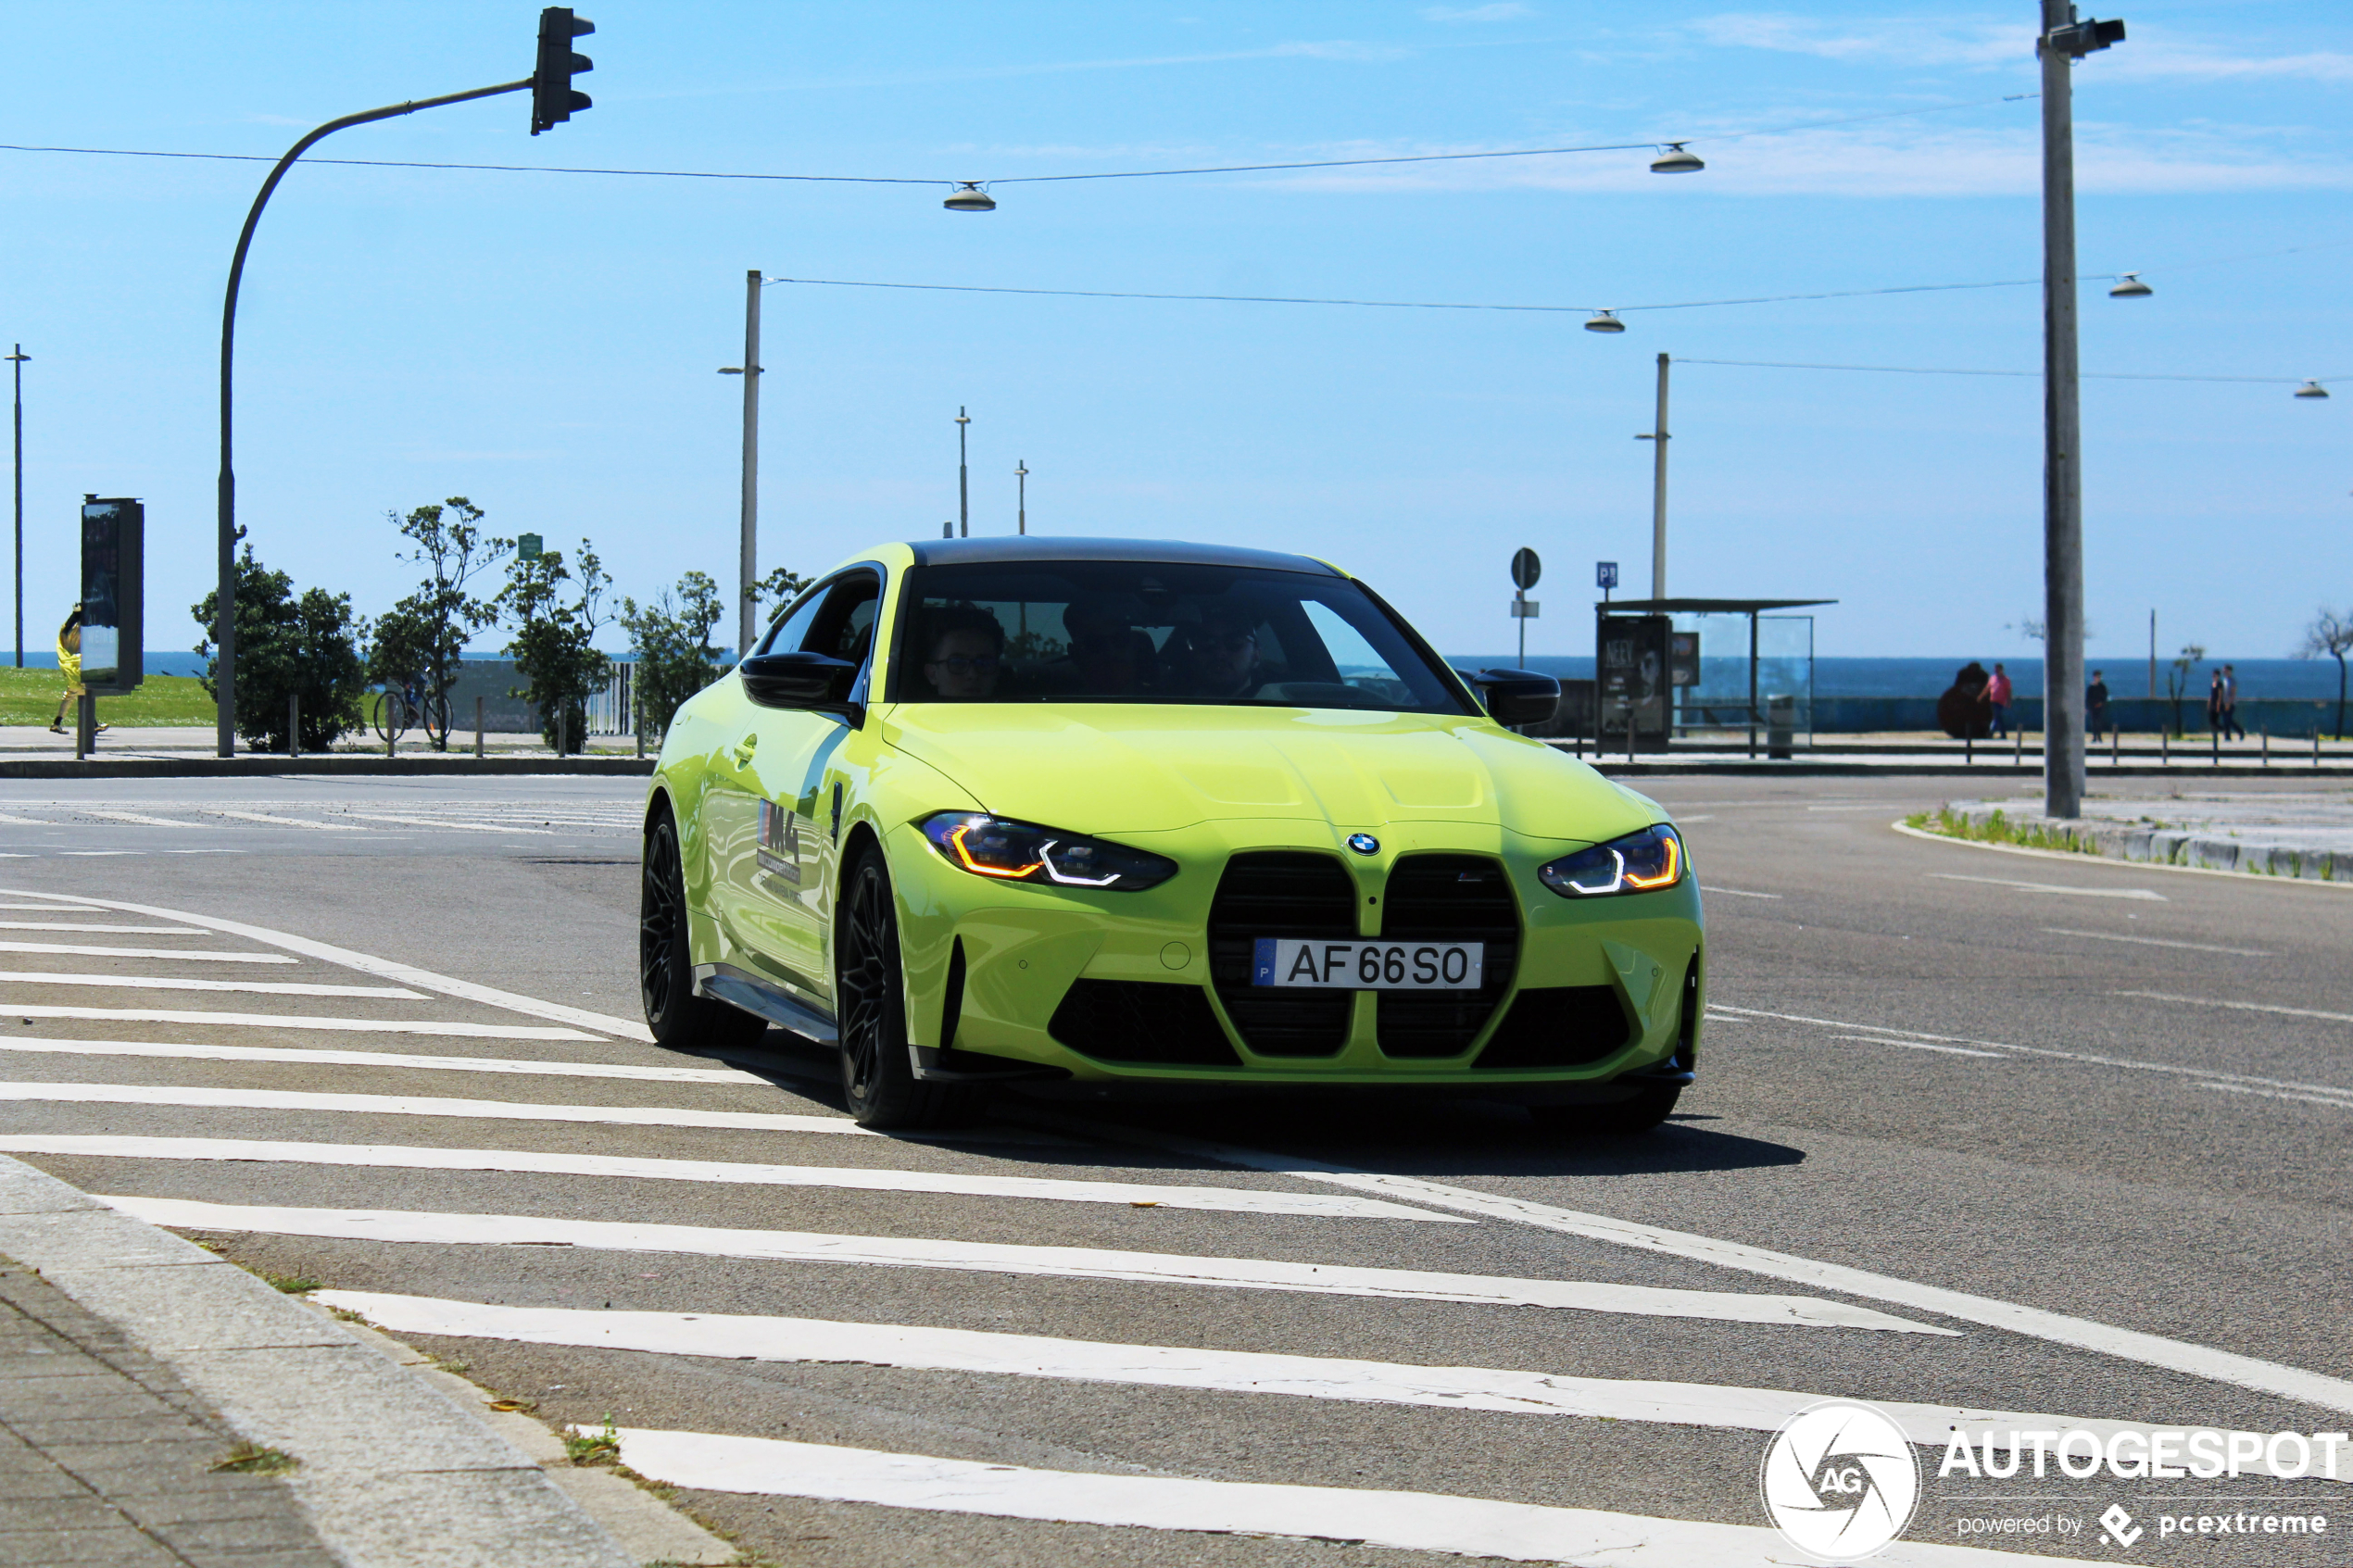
1150	631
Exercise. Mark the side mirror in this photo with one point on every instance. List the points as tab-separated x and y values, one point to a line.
1517	696
800	679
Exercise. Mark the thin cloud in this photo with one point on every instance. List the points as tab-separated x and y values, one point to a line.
1504	11
2166	60
1895	41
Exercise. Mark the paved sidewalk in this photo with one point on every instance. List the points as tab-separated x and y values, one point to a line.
106	1457
182	740
2307	835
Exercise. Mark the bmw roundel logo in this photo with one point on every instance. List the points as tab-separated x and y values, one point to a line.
1364	842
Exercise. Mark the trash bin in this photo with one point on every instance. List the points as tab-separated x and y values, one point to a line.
1781	725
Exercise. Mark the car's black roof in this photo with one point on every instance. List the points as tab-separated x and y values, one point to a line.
1047	547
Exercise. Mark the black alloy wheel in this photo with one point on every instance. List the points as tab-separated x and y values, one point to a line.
870	999
679	1019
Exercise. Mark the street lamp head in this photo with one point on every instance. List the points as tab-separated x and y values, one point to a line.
2131	287
2311	389
1674	159
969	197
1602	321
731	370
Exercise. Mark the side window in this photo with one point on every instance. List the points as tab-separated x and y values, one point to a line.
788	635
844	627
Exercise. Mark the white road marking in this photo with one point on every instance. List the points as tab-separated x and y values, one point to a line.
445	823
174	983
81	908
196	954
1410	1520
423	1105
1736	893
2239	1006
2154	942
2141	893
1229	1200
140	819
408	975
1242	1372
308	1056
282	822
1916	1045
1063	1263
72	925
293	1021
2340	1103
28	822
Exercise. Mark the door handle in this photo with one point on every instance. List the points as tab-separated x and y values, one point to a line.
745	747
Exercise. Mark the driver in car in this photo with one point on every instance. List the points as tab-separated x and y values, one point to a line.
967	644
1224	655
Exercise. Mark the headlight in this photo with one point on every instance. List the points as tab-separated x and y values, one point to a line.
1011	851
1641	862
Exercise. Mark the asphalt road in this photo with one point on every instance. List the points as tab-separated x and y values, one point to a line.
2100	1101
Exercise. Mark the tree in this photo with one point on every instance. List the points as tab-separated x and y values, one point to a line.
780	588
2330	634
555	646
422	638
674	656
288	646
2177	679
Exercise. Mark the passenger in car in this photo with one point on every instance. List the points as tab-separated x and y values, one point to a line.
966	646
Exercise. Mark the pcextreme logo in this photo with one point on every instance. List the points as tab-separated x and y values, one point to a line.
1839	1480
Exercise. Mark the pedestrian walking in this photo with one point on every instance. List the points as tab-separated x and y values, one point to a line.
1997	697
2096	705
2230	729
2214	715
69	666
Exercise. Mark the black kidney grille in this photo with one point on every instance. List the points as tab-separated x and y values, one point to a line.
1143	1020
1280	892
1559	1027
1448	898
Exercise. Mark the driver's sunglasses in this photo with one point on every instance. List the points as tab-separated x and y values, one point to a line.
978	664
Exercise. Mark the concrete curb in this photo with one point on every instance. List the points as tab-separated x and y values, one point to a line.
349	765
2180	846
1617	767
2078	857
394	1473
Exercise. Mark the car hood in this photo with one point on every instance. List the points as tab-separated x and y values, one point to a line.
1116	768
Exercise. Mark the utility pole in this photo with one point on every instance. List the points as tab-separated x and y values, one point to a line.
1021	478
17	363
1657	433
963	490
2063	41
748	548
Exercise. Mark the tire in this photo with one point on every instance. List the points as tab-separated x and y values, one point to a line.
679	1019
870	997
1652	1104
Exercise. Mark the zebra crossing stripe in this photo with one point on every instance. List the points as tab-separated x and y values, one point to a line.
980	1257
193	955
1230	1200
173	982
1410	1520
293	1020
423	1105
117	930
308	1056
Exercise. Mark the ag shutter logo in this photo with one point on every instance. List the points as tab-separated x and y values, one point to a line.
1839	1480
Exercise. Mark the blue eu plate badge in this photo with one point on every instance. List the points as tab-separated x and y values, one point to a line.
1261	963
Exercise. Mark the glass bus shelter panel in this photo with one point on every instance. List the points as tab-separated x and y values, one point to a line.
1719	700
1785	672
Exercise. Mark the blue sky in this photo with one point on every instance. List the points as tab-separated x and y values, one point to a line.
546	343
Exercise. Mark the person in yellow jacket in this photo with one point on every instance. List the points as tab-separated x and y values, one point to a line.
69	666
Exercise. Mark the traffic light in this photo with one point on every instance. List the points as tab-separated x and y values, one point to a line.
552	98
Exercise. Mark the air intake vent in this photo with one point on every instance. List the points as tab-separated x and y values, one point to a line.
1281	894
1559	1027
1447	899
1143	1020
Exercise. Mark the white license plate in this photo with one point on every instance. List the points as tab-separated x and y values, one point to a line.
1368	966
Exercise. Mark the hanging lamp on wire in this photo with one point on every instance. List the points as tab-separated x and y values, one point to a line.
969	197
2131	287
1674	159
2311	389
1604	321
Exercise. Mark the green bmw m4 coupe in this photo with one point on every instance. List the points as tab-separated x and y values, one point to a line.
1095	817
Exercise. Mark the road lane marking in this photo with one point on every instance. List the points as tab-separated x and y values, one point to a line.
1229	1200
1411	1521
2154	942
423	1105
2198	1360
173	982
293	1020
306	1056
2144	893
386	969
2239	1006
744	1338
1917	1046
446	825
72	925
1737	892
282	822
2341	1103
983	1256
83	908
197	955
138	817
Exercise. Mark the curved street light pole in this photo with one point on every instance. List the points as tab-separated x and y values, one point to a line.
225	608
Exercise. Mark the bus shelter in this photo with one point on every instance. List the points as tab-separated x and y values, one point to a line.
1668	666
